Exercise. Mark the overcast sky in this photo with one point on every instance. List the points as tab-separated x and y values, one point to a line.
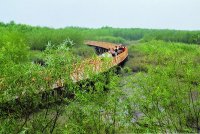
171	14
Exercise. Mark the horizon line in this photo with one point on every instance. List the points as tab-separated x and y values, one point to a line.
97	27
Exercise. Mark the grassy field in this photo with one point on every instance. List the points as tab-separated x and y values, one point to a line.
157	91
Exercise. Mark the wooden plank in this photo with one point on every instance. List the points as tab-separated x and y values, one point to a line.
95	66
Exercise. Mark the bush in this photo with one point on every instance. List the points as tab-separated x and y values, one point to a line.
168	94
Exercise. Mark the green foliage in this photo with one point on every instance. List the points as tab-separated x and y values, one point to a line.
83	51
13	48
26	87
168	95
38	37
112	39
99	111
19	80
162	95
174	36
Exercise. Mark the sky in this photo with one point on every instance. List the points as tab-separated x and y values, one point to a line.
157	14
